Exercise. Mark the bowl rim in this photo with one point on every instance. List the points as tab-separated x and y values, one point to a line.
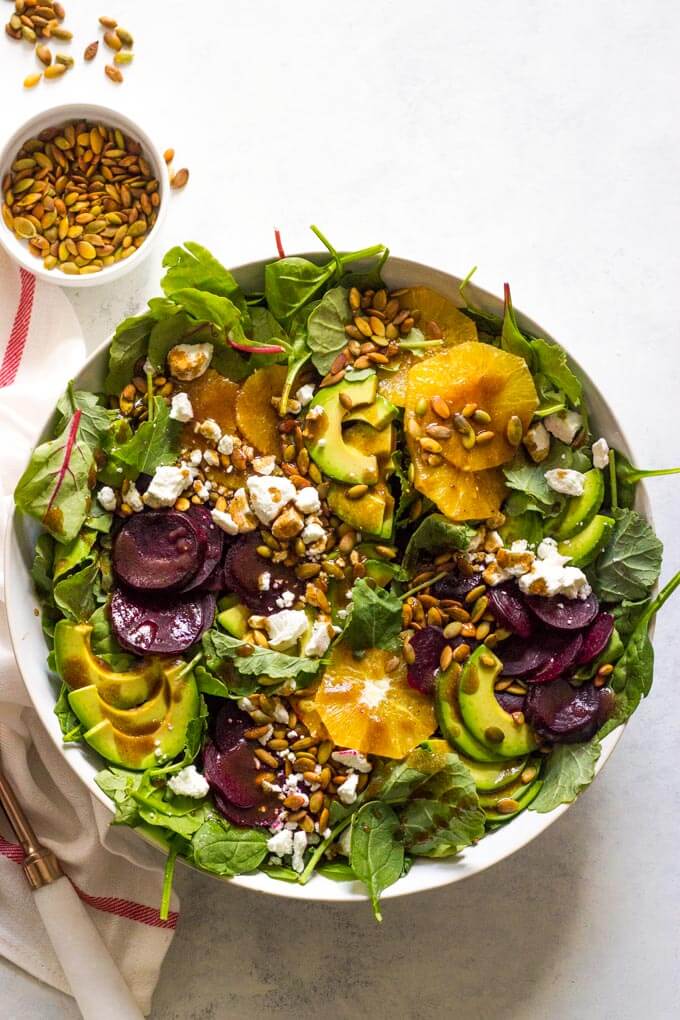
110	116
433	874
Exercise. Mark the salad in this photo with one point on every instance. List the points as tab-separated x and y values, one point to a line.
336	576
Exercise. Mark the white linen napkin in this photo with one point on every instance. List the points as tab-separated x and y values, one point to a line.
116	875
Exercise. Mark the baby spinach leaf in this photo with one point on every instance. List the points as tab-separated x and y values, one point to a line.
568	770
95	420
375	620
55	487
488	322
395	781
103	641
129	344
210	683
443	816
527	478
69	722
291	282
627	615
435	535
207	307
264	327
75	593
226	849
281	874
376	850
627	477
552	362
261	661
326	328
154	443
633	674
194	266
631	561
298	354
68	557
338	871
41	570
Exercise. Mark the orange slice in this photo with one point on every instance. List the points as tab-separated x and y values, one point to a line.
435	310
364	707
474	373
461	495
211	396
256	417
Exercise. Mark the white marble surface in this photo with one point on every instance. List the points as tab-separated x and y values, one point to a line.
540	141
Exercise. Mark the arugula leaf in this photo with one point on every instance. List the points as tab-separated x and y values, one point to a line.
261	661
627	477
55	487
443	816
119	784
528	479
375	621
75	594
550	401
376	850
435	535
129	344
326	328
512	339
633	674
568	770
194	266
154	443
70	724
630	563
226	849
552	362
103	641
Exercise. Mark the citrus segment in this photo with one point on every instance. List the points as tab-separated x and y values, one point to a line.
365	707
461	495
211	396
256	417
435	311
495	382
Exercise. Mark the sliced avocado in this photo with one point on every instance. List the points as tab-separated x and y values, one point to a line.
79	667
372	513
580	510
327	445
497	817
482	714
611	653
235	619
378	414
528	525
494	775
451	722
516	790
363	437
380	571
585	546
138	738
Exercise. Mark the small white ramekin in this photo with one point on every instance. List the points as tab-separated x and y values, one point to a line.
53	117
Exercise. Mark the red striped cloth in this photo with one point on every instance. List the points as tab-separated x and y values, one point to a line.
17	339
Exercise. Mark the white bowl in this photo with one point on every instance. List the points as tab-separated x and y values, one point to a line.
30	651
53	117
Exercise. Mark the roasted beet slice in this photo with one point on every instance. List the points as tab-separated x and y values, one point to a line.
428	645
455	585
507	605
262	815
564	714
158	551
232	773
153	625
510	702
564	614
520	657
243	568
213	538
230	725
564	655
596	637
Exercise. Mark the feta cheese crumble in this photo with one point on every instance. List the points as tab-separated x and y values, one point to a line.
167	485
285	628
264	465
226	444
305	394
225	521
210	430
281	843
319	640
268	496
133	498
347	791
180	408
299	847
549	575
566	481
312	533
564	425
107	498
537	442
352	759
286	599
264	581
188	782
189	361
307	500
601	454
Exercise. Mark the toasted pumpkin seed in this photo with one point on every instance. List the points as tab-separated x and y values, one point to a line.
180	179
54	70
513	431
91	50
113	74
31	80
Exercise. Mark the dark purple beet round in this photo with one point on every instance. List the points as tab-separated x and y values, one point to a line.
564	614
261	816
213	539
243	567
232	773
152	625
564	714
565	654
157	551
596	637
428	645
507	605
230	725
510	702
455	586
520	657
